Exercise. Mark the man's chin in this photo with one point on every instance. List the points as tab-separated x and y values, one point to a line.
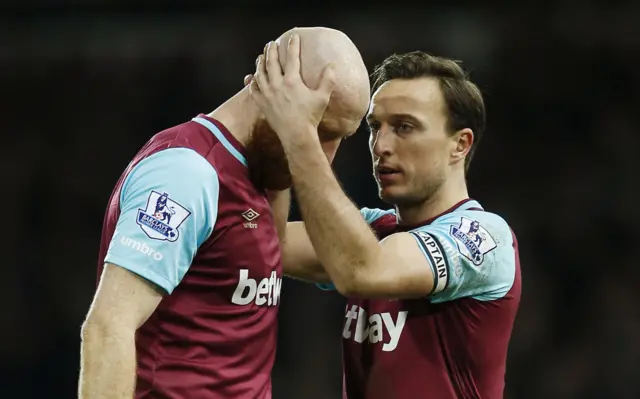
388	194
395	194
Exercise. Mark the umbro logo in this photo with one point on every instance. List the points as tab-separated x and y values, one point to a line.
250	215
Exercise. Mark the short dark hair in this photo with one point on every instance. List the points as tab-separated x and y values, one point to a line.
462	97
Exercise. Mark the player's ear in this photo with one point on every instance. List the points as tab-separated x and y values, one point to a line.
462	140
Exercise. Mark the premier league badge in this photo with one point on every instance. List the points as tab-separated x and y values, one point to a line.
473	240
161	217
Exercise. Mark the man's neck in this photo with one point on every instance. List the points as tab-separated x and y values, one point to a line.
238	114
449	194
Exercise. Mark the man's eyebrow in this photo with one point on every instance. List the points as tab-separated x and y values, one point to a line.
410	117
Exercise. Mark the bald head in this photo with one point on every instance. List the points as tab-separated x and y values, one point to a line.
267	161
320	46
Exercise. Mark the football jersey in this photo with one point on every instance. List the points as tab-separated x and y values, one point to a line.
185	216
452	343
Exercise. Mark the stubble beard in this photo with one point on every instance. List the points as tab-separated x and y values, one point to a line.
415	193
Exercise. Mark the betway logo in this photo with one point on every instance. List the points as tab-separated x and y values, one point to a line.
372	329
263	292
141	247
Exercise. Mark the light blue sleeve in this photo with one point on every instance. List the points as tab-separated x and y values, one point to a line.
370	215
471	254
168	208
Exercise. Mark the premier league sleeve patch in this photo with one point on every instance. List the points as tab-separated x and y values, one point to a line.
161	217
473	240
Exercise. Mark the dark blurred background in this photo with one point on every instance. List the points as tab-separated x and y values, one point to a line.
85	83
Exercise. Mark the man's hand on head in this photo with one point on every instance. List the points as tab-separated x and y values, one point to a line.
290	106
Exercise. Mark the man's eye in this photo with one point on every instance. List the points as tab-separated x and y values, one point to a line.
404	127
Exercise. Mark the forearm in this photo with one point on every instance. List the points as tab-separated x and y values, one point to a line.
311	273
108	364
343	241
280	202
299	259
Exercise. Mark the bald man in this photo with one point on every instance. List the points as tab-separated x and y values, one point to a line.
190	264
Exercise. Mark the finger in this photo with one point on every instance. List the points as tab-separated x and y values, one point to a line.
255	93
248	79
327	80
292	68
261	78
273	64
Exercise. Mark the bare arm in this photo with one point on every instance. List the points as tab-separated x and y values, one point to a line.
403	265
149	263
356	262
122	303
299	259
345	245
280	202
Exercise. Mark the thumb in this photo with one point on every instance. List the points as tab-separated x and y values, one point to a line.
327	80
248	79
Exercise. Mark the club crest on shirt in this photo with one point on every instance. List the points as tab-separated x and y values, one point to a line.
161	217
473	240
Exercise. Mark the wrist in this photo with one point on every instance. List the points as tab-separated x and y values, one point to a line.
300	138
